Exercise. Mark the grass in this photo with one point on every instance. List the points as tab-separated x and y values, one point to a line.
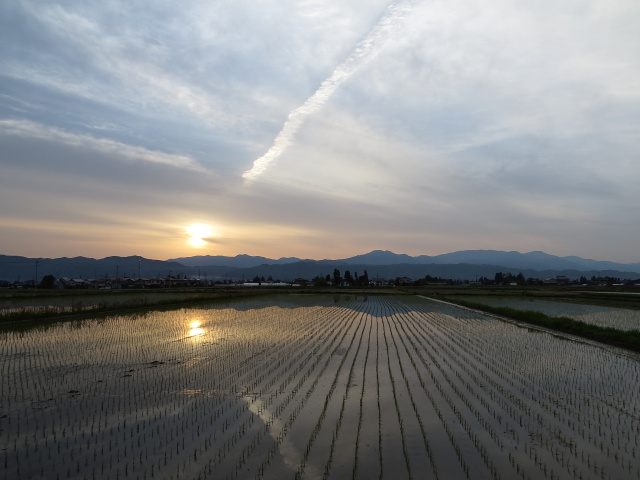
629	339
137	301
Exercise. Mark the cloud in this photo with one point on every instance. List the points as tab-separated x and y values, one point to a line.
122	68
27	129
495	125
364	51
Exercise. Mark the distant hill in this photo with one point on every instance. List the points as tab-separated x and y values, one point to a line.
462	265
511	260
239	261
21	268
385	257
531	260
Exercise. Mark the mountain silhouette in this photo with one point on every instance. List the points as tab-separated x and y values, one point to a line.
467	264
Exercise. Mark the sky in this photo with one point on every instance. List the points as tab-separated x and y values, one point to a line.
319	129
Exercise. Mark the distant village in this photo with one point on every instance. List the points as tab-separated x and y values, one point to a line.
335	280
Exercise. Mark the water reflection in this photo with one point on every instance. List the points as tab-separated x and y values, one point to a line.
291	453
195	328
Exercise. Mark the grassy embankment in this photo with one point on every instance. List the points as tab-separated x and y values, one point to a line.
629	339
147	299
73	304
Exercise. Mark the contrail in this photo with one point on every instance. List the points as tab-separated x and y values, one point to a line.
365	50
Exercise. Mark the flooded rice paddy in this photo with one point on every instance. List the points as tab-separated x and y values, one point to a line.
612	317
56	304
314	387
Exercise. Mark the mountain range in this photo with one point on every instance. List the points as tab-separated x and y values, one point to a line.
511	260
462	265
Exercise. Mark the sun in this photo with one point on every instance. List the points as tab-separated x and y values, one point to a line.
198	234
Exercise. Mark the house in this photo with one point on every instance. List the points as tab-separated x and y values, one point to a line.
559	280
76	283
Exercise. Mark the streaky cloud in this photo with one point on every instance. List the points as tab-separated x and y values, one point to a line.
28	129
365	50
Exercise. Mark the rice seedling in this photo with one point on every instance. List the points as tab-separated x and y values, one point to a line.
323	386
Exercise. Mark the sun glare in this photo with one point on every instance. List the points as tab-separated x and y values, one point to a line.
197	242
195	329
198	233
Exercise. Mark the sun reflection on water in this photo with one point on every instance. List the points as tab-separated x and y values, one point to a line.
195	328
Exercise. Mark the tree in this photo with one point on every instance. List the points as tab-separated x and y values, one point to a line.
320	281
337	279
48	282
347	277
498	279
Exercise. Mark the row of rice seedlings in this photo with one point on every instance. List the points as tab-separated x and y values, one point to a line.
462	395
447	366
378	399
566	395
354	472
466	384
613	317
556	368
444	404
394	390
279	433
433	403
76	306
356	324
540	394
396	338
276	428
372	310
479	431
179	417
346	439
273	423
74	421
28	311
